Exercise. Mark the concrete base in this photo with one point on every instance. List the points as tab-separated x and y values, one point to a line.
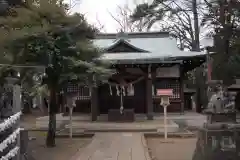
150	117
142	125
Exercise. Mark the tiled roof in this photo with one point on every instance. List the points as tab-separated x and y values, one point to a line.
158	44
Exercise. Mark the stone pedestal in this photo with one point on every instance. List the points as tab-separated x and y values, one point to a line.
219	137
228	117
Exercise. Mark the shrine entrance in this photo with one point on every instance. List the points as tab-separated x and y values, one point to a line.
142	66
123	91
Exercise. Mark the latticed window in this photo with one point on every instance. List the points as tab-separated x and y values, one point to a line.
83	92
168	84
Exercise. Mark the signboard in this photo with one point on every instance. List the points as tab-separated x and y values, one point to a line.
164	92
168	72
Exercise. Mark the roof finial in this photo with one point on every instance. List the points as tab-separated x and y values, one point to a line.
122	35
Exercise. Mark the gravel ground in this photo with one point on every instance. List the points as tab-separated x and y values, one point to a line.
64	150
179	149
65	147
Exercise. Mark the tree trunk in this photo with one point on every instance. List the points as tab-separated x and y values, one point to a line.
50	141
196	47
196	26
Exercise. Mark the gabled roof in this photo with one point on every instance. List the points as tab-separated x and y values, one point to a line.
122	41
155	45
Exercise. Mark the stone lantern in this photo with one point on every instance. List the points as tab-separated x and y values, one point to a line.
9	93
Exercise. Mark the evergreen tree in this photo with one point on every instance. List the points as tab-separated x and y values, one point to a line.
42	33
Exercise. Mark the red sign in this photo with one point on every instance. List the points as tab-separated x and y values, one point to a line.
164	92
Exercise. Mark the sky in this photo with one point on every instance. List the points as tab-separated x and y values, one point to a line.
97	11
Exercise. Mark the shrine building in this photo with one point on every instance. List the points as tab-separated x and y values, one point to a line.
144	62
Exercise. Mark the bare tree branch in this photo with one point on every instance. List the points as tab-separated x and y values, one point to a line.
100	26
123	20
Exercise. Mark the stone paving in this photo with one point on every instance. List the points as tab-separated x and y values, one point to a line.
115	146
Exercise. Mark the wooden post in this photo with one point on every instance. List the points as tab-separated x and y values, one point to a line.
94	100
165	122
70	120
149	100
165	96
181	90
94	103
16	109
71	103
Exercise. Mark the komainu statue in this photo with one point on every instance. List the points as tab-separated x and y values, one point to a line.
219	138
221	101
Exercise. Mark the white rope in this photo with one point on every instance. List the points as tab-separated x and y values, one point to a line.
110	89
9	140
133	82
118	91
123	90
10	121
130	90
12	153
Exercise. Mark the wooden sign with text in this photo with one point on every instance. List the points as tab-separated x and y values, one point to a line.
164	92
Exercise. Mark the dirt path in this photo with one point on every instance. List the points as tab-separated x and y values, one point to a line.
180	149
64	150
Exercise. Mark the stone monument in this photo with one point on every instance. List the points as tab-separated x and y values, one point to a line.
219	138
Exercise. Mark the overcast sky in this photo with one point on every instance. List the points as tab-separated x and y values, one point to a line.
97	11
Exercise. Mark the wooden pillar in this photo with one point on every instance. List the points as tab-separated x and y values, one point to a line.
17	108
149	100
94	102
181	89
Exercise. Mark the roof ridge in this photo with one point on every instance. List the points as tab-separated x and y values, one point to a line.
118	41
134	35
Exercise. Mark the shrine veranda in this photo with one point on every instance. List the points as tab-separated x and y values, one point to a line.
144	63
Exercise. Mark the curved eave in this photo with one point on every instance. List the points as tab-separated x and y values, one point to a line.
234	87
118	42
189	91
190	63
134	57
